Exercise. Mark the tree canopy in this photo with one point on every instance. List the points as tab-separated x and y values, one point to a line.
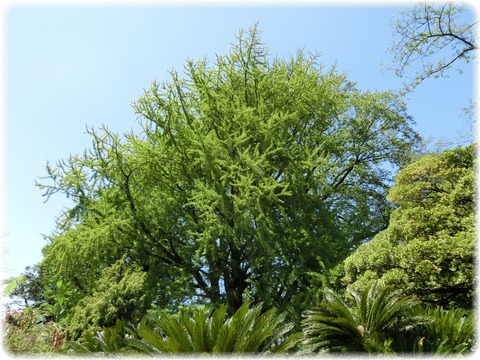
428	247
250	173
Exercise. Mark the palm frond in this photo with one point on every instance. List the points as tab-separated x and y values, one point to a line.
366	324
248	330
214	324
451	332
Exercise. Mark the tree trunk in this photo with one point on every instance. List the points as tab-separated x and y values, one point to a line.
235	279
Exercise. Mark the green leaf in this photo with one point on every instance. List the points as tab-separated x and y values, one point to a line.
12	284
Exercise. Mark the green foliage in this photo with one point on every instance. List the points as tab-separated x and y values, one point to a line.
120	294
429	35
108	341
26	289
451	332
11	284
368	321
58	296
428	248
193	330
248	330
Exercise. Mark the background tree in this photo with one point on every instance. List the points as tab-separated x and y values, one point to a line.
248	175
428	247
26	289
431	37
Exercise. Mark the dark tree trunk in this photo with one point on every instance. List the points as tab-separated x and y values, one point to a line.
235	279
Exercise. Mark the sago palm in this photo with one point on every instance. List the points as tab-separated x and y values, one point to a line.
367	322
247	331
451	332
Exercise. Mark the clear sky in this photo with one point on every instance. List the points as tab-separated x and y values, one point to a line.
66	67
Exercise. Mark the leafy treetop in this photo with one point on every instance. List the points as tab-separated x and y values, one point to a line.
428	247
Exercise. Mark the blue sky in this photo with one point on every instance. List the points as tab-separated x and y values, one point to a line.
66	67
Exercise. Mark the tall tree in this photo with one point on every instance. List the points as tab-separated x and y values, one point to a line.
431	37
428	247
248	174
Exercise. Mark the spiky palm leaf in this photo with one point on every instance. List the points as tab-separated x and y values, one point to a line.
452	332
247	331
333	326
367	324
